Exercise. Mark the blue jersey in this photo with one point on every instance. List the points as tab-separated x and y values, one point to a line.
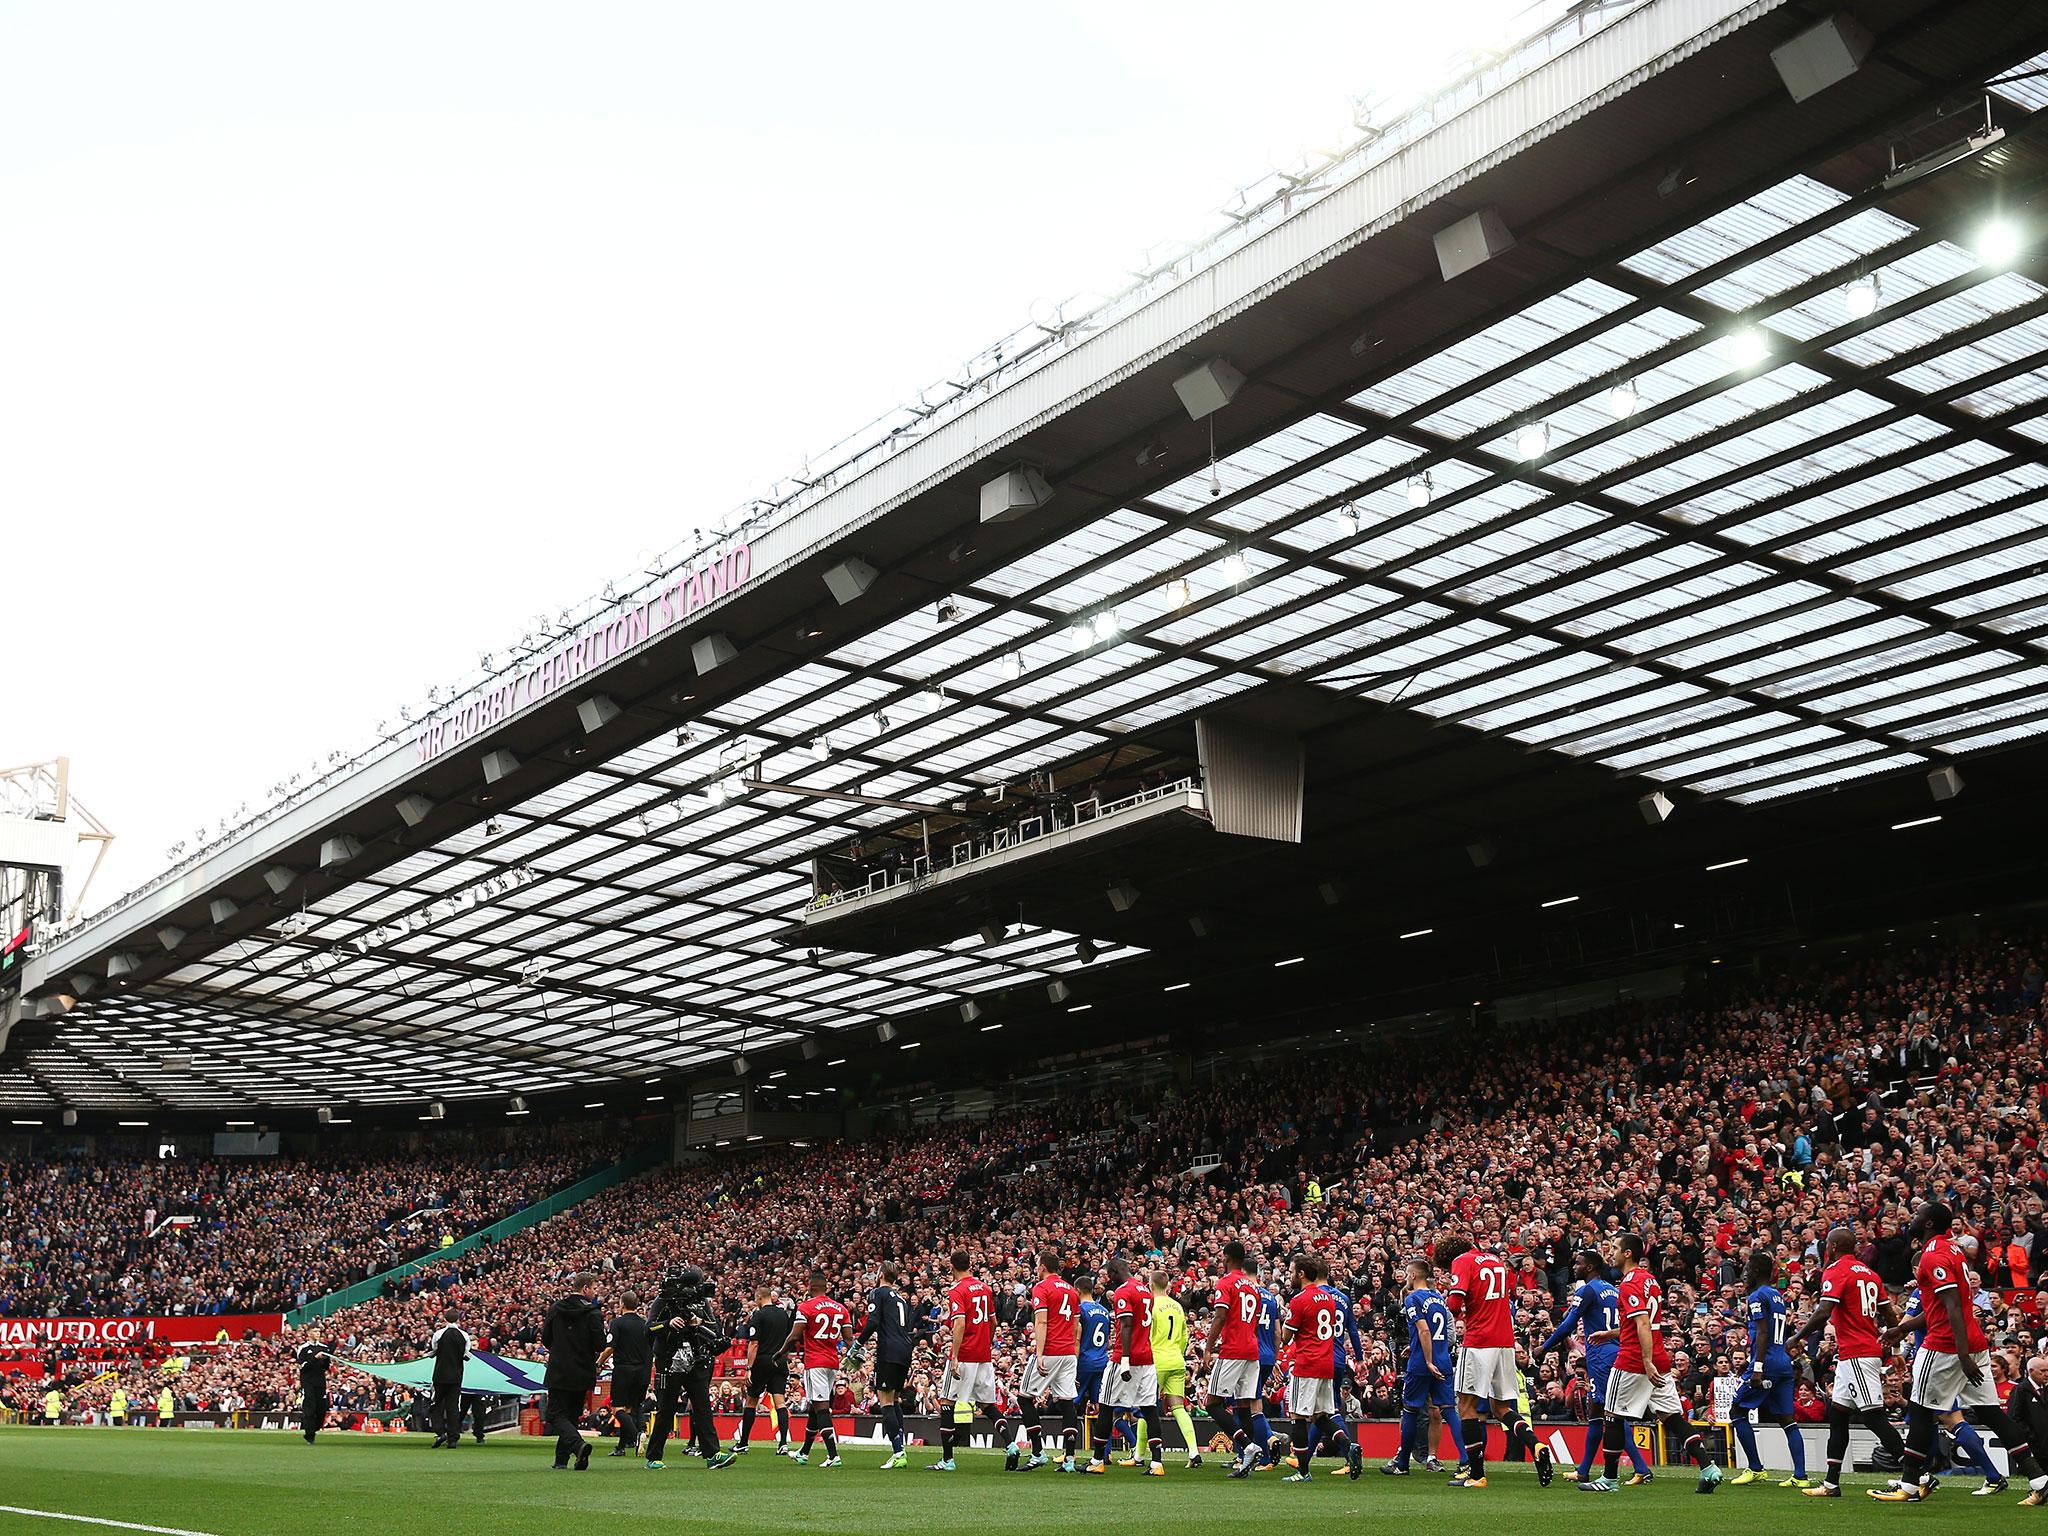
1347	1332
1269	1326
1426	1307
1094	1336
1595	1308
1766	1311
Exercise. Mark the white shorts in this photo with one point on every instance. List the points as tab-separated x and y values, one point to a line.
1235	1381
1860	1383
1308	1396
970	1382
1141	1391
1053	1376
1939	1383
1631	1395
1491	1374
819	1383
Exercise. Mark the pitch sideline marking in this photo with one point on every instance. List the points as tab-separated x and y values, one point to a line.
124	1525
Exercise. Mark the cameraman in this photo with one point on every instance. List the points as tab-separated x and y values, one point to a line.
686	1338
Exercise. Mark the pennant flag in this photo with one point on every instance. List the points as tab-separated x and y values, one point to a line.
481	1372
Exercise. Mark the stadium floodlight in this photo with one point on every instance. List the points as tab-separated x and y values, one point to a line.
881	722
1352	519
885	1033
1178	593
1081	636
993	933
1998	243
1862	296
970	1011
1419	489
220	909
414	809
1945	782
1106	626
1234	569
1623	400
931	699
1532	440
948	611
1013	665
821	748
1748	346
1059	991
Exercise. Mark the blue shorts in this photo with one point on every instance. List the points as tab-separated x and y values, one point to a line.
1771	1396
1265	1375
1420	1392
1599	1365
1088	1386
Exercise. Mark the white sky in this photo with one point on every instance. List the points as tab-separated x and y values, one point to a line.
338	340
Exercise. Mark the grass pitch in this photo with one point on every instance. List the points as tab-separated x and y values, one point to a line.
252	1483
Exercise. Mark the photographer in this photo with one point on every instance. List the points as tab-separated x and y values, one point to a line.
685	1337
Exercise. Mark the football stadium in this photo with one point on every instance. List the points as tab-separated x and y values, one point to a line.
1388	876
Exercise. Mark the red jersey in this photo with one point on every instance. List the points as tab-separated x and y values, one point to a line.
1479	1290
1061	1304
1316	1323
1857	1293
824	1324
1133	1299
1239	1299
970	1298
1941	1271
1641	1296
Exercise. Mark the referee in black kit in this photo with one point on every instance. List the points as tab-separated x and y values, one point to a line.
313	1358
450	1348
766	1334
632	1367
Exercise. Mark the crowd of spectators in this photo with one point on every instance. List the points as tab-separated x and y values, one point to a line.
1757	1113
131	1234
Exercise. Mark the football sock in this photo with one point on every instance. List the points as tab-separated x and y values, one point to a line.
1186	1421
1456	1426
1838	1441
831	1439
892	1423
1070	1434
1225	1418
1262	1437
746	1425
1795	1442
2019	1455
1518	1429
946	1443
1475	1446
1102	1421
1414	1426
1149	1421
1596	1436
1971	1444
1919	1440
1873	1419
1617	1436
1144	1437
1304	1445
1745	1436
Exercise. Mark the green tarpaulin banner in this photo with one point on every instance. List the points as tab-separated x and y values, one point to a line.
481	1372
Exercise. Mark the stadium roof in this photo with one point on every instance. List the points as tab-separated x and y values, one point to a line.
1725	480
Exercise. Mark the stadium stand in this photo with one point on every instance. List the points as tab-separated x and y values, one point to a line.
1760	1113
